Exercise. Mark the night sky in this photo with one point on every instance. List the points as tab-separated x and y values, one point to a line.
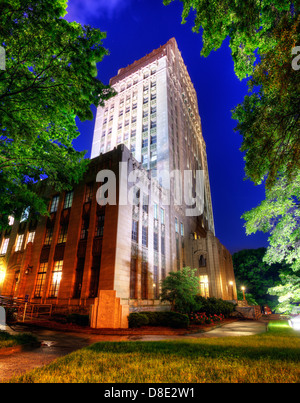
134	28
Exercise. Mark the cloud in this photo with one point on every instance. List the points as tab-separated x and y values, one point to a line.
84	10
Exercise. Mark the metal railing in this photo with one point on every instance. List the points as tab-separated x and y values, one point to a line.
26	310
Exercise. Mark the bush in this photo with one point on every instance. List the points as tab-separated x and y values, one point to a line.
137	319
171	319
213	306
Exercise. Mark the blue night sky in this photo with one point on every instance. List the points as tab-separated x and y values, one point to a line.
134	28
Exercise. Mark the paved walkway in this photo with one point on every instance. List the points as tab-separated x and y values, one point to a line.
55	344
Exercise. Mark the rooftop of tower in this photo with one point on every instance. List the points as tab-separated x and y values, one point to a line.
135	66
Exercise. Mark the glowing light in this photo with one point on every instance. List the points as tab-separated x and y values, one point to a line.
295	322
2	276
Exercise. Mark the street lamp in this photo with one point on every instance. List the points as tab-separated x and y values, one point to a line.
243	289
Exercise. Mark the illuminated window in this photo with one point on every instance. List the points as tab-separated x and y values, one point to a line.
62	238
19	242
31	236
40	281
11	220
56	279
68	199
48	236
4	246
204	291
54	204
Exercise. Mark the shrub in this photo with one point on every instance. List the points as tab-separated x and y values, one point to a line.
137	319
214	306
171	319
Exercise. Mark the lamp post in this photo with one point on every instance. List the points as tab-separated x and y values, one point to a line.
243	289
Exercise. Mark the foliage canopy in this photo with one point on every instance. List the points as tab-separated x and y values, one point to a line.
50	78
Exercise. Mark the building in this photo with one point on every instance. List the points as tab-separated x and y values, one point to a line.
109	259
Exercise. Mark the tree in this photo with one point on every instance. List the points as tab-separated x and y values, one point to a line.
256	275
50	78
180	289
265	31
288	293
279	215
263	35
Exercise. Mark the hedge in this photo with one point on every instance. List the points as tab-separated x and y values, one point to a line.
170	319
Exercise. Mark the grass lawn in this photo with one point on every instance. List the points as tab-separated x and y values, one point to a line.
8	340
270	357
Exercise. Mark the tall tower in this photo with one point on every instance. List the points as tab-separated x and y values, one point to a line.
155	114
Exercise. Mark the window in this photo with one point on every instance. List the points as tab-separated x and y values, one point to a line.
202	261
94	282
162	250
25	214
84	228
145	236
68	199
88	192
79	277
153	140
56	278
133	276
11	220
181	229
144	280
204	289
145	159
155	211
62	237
135	230
31	236
54	204
155	241
100	225
4	246
19	242
144	143
162	216
48	236
176	225
145	203
40	280
155	283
